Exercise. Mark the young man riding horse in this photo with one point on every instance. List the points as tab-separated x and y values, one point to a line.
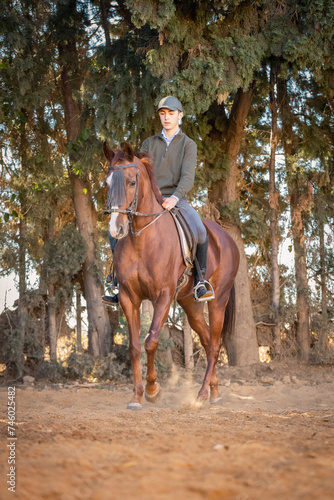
175	156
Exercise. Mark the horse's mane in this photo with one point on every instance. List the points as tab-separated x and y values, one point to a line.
147	161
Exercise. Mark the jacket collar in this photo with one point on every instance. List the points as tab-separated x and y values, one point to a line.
179	134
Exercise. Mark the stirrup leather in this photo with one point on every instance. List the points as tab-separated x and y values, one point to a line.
203	299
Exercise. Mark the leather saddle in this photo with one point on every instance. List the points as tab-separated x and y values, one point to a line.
188	240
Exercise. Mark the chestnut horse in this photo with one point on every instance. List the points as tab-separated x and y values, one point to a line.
148	264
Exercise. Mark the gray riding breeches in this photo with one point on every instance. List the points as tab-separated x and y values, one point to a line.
201	231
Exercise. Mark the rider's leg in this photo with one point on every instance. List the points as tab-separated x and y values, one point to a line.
202	293
111	299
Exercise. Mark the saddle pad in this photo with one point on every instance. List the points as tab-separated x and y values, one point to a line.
187	234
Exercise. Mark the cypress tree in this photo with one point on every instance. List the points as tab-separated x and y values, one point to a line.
21	76
273	201
67	29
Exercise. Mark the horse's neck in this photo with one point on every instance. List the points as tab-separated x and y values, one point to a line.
149	204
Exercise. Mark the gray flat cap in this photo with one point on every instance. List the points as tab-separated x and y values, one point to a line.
171	103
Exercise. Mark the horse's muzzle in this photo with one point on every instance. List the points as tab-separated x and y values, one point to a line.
118	225
121	231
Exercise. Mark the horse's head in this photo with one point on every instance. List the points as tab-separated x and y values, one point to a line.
123	182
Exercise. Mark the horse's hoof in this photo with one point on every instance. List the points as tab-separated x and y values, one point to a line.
135	406
153	398
198	404
216	400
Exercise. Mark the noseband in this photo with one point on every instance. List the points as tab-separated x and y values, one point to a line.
131	211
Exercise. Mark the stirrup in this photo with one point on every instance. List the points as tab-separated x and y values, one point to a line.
110	300
203	299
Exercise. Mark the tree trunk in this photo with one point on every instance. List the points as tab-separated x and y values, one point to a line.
323	334
22	291
164	353
242	348
225	191
99	330
52	323
44	287
300	273
99	325
187	345
22	253
295	184
273	202
52	315
79	312
105	23
147	308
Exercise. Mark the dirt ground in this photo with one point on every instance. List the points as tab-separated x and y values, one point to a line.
272	437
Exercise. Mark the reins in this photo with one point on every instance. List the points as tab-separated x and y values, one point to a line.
131	211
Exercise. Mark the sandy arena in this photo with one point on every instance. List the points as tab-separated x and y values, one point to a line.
271	438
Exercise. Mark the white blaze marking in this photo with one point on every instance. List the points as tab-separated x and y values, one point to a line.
112	224
113	216
109	179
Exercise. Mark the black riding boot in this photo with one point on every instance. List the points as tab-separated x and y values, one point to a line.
111	280
201	292
111	300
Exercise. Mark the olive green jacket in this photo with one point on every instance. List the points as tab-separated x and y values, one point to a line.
174	167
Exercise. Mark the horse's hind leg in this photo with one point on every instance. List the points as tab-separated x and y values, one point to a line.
161	310
194	311
216	319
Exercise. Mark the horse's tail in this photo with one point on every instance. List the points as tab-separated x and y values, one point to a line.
229	319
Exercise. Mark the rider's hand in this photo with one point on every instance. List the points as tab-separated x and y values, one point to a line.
169	203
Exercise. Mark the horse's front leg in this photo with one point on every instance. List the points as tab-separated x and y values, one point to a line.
161	309
132	315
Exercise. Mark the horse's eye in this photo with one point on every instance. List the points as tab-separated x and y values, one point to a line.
132	183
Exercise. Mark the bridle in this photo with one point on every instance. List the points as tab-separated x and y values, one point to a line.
131	211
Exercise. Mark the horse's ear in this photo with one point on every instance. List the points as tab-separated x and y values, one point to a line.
128	150
108	153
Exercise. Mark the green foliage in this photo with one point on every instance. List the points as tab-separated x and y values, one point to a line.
82	365
122	90
158	14
12	345
64	257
